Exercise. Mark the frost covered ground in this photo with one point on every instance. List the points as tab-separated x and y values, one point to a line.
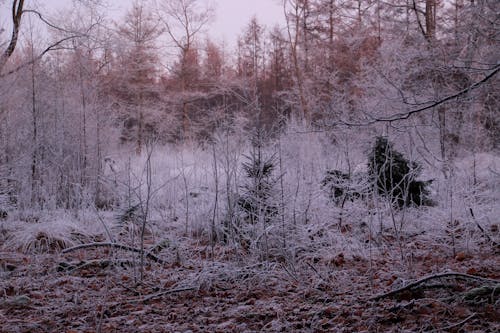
362	267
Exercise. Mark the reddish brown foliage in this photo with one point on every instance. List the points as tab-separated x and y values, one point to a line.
309	296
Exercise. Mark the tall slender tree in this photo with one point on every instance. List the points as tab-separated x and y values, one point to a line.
136	86
184	21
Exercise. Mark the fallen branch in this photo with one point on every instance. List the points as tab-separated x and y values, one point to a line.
116	246
447	328
159	247
99	263
166	292
316	271
433	277
482	292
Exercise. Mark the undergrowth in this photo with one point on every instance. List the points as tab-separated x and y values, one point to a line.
286	209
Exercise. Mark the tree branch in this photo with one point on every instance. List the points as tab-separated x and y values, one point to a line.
53	26
16	18
418	19
17	13
448	328
117	246
52	47
406	115
166	292
482	229
433	277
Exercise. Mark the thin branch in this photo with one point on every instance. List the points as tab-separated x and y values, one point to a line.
31	11
447	328
433	277
100	263
50	48
316	271
406	115
166	292
481	228
117	246
416	10
17	13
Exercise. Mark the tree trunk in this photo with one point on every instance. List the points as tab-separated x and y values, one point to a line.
83	128
430	19
35	200
297	71
17	13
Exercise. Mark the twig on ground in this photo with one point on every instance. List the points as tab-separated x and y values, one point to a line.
433	277
165	292
292	275
117	246
316	271
447	328
100	263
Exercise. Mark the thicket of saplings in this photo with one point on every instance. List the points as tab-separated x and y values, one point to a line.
257	207
254	213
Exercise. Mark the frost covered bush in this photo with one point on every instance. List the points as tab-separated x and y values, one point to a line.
395	177
340	186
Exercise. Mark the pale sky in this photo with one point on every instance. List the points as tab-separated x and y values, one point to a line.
231	15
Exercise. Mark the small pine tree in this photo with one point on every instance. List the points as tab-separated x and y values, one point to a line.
256	200
395	177
255	206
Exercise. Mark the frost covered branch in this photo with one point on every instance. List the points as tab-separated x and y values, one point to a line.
116	246
459	276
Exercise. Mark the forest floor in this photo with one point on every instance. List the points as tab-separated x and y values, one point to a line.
205	289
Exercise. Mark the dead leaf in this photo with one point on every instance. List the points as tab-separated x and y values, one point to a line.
472	271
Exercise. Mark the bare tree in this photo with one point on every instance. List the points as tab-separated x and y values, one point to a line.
17	13
213	64
136	86
294	10
251	55
184	20
429	12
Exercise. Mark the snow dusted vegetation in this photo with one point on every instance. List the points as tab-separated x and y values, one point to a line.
312	267
340	173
